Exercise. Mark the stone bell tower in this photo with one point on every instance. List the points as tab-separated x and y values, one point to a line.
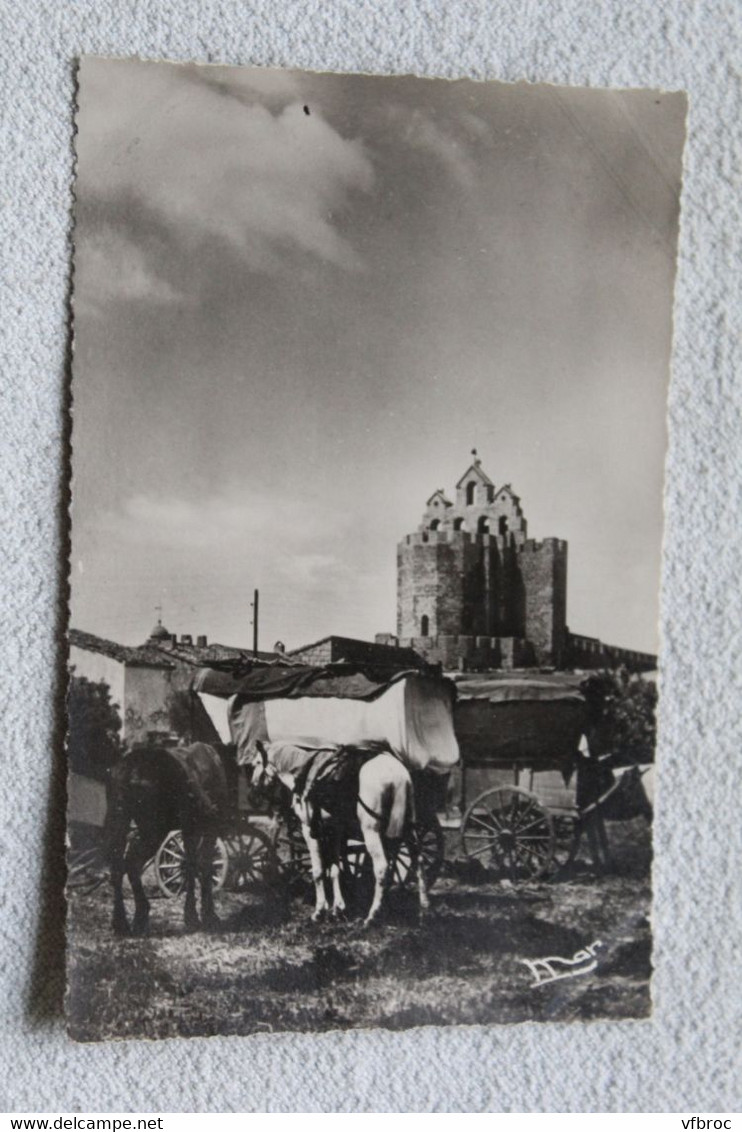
472	589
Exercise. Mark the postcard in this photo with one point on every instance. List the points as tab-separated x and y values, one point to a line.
369	390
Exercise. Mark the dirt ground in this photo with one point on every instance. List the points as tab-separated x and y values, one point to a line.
271	969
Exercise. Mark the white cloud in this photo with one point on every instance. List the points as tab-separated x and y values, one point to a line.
264	181
108	264
230	521
313	570
210	553
273	85
422	132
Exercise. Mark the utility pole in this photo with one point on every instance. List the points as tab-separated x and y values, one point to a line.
255	610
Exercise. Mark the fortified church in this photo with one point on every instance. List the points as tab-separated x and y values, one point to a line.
473	591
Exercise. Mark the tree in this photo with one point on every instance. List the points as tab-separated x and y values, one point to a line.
94	725
622	715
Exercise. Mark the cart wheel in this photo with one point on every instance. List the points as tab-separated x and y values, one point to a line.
291	852
509	831
252	860
430	845
169	861
356	862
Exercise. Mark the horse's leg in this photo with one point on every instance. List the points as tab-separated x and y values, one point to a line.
375	847
338	900
136	859
119	923
593	840
190	867
209	918
416	860
574	846
118	832
305	813
602	838
422	887
336	840
318	873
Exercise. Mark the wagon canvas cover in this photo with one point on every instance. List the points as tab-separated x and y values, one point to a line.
526	722
410	715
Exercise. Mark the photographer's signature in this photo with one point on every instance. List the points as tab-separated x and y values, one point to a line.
552	968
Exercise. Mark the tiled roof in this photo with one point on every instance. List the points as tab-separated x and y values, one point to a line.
165	653
203	655
144	655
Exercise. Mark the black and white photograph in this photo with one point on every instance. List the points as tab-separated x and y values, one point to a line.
369	428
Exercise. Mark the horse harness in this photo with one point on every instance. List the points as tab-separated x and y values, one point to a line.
329	780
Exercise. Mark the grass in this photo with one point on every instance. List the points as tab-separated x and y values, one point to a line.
271	969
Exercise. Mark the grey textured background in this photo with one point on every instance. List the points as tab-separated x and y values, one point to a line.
685	1058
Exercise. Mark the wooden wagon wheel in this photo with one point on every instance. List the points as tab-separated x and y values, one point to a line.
169	865
430	846
356	863
251	858
292	853
509	831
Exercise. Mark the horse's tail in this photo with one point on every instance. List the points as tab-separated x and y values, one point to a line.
399	810
385	794
402	808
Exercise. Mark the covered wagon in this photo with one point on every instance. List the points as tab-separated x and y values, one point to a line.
408	713
518	739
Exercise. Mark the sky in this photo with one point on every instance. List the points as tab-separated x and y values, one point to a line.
300	300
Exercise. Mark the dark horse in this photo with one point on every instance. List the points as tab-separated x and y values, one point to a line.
158	789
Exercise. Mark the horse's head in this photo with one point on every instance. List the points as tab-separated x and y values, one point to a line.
262	778
259	766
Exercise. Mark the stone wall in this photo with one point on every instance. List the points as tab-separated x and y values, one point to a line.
147	703
472	653
462	583
589	652
459	585
318	654
543	570
438	578
385	653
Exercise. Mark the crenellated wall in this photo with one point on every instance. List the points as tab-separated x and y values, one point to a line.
438	578
589	652
471	653
470	585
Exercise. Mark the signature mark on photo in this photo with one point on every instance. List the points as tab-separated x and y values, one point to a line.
553	967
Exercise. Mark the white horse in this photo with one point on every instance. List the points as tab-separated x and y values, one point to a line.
384	808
